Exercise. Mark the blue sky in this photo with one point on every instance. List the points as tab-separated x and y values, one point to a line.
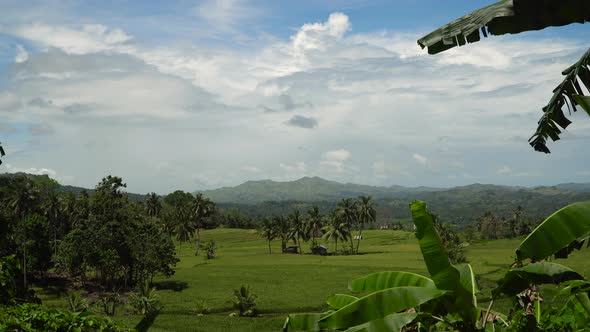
200	94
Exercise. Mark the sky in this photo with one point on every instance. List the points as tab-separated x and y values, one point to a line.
200	94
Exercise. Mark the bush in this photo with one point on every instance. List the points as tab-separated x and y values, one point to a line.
34	317
244	301
209	247
76	303
145	300
108	302
202	308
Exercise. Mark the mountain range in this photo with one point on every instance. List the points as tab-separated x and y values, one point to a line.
310	189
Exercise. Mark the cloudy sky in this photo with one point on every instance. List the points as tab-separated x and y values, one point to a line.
206	93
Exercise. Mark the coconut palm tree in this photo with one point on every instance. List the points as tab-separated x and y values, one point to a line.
22	199
366	213
314	224
282	227
153	205
268	231
183	228
336	230
52	211
202	208
516	16
297	230
347	212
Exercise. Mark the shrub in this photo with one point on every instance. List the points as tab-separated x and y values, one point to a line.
202	308
244	301
145	300
34	317
108	302
209	247
76	303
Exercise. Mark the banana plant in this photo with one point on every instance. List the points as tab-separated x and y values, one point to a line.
447	299
395	299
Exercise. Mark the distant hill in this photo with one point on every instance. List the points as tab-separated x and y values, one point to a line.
67	188
307	189
459	205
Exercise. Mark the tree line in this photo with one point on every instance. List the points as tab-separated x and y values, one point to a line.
337	226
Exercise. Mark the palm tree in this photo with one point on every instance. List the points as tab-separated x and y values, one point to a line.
268	231
336	230
282	227
52	211
153	205
297	231
202	208
347	213
314	224
516	16
366	214
68	209
22	199
183	229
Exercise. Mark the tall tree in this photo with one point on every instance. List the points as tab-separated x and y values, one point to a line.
366	214
336	230
52	211
202	208
282	228
348	214
22	199
153	205
314	224
297	230
268	231
516	16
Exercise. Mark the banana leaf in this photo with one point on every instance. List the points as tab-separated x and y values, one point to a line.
569	224
378	305
468	281
304	322
506	17
393	322
389	279
442	272
515	16
338	301
517	280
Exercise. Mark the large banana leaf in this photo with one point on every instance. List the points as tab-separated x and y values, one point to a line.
515	16
506	16
378	305
442	272
304	322
338	301
517	280
468	281
389	279
393	322
572	223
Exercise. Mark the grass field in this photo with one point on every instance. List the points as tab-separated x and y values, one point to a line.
288	283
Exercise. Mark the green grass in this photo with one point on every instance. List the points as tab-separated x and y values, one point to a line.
292	283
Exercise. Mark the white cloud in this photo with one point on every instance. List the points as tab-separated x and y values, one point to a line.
336	159
22	55
420	158
298	167
226	15
504	170
82	39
